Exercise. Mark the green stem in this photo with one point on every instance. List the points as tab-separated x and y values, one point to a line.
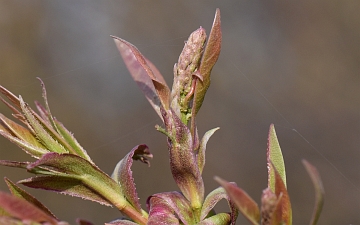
115	197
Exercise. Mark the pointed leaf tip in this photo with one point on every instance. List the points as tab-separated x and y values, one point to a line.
145	74
202	148
274	155
209	58
319	190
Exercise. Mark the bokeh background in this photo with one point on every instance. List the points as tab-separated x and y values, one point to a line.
292	63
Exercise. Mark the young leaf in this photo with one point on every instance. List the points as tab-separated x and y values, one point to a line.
73	166
46	112
274	155
21	193
123	174
212	199
165	208
209	58
12	98
218	219
184	167
69	138
21	209
283	211
22	137
242	200
18	131
22	165
153	85
42	130
65	185
202	149
319	191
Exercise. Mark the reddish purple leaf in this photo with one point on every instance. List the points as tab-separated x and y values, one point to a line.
9	163
161	213
209	58
319	191
247	206
283	212
12	98
183	163
83	222
65	185
21	193
21	209
123	174
150	82
165	208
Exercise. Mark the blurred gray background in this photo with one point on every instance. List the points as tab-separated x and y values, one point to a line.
292	63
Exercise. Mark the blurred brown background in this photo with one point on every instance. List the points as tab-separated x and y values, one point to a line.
292	63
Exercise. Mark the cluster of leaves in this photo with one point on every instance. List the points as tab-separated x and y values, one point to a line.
63	166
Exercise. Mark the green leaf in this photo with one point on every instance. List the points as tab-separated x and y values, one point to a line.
169	208
46	112
70	139
218	219
274	155
247	206
21	193
67	139
319	191
22	137
123	174
202	149
75	167
44	134
145	74
212	199
42	130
